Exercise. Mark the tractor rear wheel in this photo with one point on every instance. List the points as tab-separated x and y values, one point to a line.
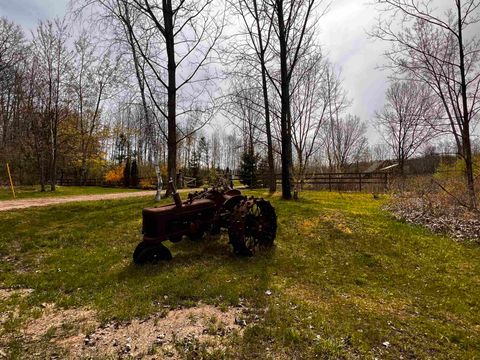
253	225
150	253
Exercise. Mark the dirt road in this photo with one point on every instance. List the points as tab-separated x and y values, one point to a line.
6	205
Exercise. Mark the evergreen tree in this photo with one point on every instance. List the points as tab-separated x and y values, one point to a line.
134	174
126	173
194	167
248	169
263	172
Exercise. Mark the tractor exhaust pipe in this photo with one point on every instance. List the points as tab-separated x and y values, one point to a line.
175	194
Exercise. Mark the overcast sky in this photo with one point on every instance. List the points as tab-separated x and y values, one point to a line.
28	12
342	33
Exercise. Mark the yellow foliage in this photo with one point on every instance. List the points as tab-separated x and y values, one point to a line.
163	170
148	184
457	169
115	175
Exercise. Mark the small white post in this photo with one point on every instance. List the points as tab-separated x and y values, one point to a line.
158	196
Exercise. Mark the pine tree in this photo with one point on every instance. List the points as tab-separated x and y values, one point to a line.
194	167
134	174
248	169
126	173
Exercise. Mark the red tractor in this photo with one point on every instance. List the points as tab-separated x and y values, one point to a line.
251	223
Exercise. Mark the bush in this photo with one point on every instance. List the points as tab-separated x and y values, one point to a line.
114	176
451	176
148	184
448	170
433	200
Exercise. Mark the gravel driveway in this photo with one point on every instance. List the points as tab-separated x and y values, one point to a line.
6	205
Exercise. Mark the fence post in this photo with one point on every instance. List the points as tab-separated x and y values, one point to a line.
329	182
360	181
11	181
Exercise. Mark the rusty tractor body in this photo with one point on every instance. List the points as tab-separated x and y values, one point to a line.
251	223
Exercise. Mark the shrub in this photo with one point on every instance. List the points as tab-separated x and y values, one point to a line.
451	176
114	176
148	184
457	169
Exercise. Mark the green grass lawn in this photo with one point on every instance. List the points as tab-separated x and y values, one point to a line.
345	278
25	192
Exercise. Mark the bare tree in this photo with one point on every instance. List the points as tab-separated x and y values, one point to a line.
405	120
50	102
215	149
245	109
309	104
122	18
338	103
51	55
259	29
432	45
12	52
176	41
92	76
293	24
380	151
347	141
11	40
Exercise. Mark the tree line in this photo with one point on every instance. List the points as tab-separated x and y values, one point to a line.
51	96
160	81
435	53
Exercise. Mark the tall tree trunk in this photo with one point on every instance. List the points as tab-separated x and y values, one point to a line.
468	158
301	170
466	143
53	159
54	129
141	84
285	99
172	90
271	161
41	168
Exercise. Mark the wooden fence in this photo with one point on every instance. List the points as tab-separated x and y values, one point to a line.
188	182
371	182
76	182
98	182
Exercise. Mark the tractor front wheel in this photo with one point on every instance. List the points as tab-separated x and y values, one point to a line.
150	253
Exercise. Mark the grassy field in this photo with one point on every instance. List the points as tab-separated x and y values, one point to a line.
24	192
345	279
